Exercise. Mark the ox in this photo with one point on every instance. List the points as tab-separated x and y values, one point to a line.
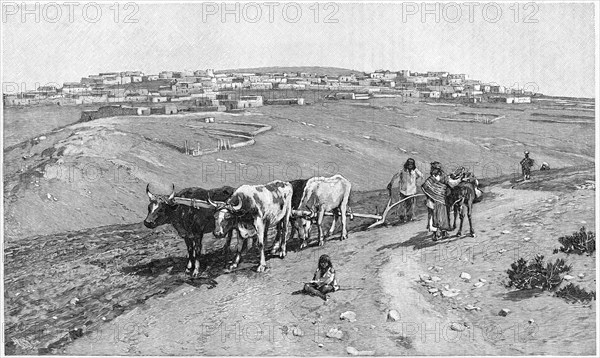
320	195
252	209
190	223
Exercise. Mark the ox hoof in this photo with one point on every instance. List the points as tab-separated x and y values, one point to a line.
471	234
232	267
303	245
281	254
261	268
321	243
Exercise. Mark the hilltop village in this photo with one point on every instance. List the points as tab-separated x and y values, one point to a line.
171	92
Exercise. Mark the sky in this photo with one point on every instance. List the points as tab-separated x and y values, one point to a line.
544	47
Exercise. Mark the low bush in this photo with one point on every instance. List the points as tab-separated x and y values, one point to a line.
579	243
537	273
575	294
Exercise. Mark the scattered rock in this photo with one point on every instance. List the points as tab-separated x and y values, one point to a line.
296	331
504	312
479	284
54	317
531	321
482	280
349	316
457	327
355	352
435	279
49	196
581	275
505	232
450	293
472	308
501	251
74	301
583	222
393	316
526	239
425	277
320	345
372	327
335	333
433	290
352	351
465	276
568	277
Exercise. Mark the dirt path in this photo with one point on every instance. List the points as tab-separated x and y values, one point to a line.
255	314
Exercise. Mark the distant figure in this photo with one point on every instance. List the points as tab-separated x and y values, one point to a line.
545	166
323	281
526	165
408	187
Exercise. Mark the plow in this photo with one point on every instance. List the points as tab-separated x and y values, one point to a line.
380	218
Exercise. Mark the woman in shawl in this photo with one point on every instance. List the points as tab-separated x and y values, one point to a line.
436	189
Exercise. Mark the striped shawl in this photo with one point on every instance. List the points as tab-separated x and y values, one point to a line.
434	190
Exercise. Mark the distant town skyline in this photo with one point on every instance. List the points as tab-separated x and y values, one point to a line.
550	47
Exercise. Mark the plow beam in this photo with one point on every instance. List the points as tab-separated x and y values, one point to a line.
389	207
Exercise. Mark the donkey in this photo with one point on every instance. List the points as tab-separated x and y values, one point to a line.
461	200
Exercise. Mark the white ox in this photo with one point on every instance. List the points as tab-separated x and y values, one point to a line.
253	209
320	195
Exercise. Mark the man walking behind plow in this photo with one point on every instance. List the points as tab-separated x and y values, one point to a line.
408	187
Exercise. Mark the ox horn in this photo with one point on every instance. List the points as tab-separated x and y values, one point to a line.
212	202
172	192
150	195
237	207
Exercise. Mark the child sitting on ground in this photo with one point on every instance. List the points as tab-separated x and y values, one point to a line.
324	280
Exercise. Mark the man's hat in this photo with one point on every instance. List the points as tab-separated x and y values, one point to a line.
526	152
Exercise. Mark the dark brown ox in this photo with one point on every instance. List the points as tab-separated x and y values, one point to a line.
252	209
190	223
320	195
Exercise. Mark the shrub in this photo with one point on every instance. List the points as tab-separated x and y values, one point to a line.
537	273
575	294
580	242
